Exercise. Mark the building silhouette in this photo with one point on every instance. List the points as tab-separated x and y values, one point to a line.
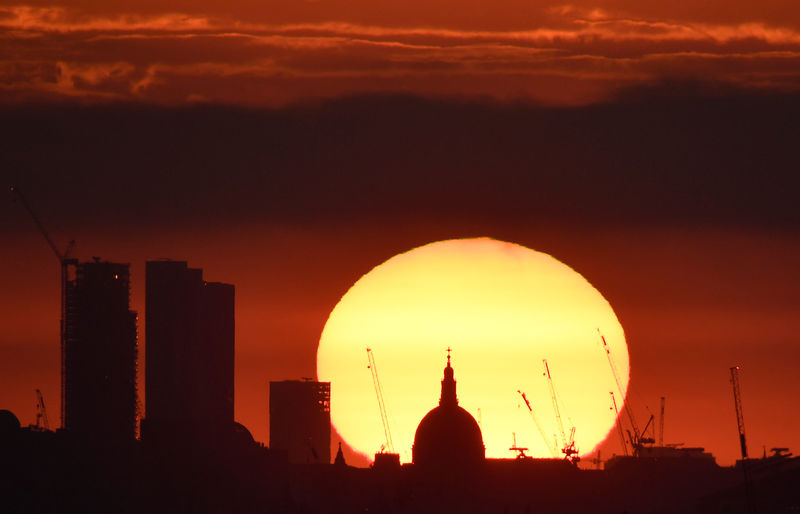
189	358
46	471
300	420
448	435
99	358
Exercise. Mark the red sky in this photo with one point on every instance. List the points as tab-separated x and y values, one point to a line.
271	53
650	145
692	302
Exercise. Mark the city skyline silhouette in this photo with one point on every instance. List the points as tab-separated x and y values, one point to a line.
247	246
655	154
693	262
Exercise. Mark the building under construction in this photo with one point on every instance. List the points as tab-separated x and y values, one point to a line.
99	358
189	356
300	420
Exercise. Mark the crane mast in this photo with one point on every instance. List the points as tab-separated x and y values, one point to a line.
737	398
381	405
514	448
619	425
636	436
567	446
538	425
559	423
661	424
41	412
65	261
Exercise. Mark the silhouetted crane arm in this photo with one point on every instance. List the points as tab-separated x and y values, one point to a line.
642	438
41	412
65	262
559	423
737	398
538	425
39	225
381	405
627	408
619	424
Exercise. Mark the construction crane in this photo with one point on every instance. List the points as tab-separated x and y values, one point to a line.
661	424
571	451
737	398
65	261
41	413
648	440
637	438
619	423
567	446
538	425
381	405
514	448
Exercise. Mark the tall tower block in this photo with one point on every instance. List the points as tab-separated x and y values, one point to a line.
100	347
189	358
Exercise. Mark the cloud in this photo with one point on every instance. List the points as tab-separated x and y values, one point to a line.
60	19
169	57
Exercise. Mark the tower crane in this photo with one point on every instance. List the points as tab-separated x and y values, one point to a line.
65	261
567	446
514	448
619	424
661	424
737	399
381	405
41	412
538	425
637	438
648	440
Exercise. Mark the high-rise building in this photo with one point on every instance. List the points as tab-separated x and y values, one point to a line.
300	420
99	358
189	357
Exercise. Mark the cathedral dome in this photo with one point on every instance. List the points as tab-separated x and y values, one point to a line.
448	436
9	424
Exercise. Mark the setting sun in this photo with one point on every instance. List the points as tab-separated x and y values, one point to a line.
503	309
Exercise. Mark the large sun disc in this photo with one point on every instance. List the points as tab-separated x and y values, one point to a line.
502	308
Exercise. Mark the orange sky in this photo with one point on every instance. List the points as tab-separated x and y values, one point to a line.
271	53
675	197
692	304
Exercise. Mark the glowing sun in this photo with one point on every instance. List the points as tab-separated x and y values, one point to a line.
502	308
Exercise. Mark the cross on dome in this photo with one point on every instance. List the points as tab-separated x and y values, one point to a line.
448	397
